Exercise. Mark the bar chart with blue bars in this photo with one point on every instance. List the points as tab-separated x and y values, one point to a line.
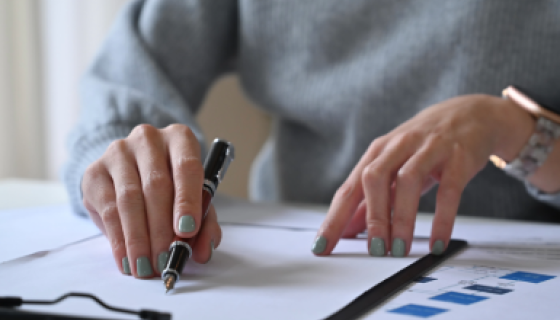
442	293
418	310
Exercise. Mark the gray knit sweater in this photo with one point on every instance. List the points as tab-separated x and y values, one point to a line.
334	74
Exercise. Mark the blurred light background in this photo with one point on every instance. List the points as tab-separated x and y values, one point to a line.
45	46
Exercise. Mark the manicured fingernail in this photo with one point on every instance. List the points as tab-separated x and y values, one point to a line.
438	247
377	247
126	266
320	245
397	250
187	224
143	267
211	251
162	261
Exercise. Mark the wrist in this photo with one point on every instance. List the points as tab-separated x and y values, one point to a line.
514	127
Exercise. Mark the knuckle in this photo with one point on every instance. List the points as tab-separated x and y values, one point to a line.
407	177
93	172
372	175
145	135
376	220
157	181
110	214
188	166
465	162
129	193
181	129
144	131
345	191
409	137
106	197
116	147
459	150
377	145
435	140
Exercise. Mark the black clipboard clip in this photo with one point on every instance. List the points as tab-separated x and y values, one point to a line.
8	311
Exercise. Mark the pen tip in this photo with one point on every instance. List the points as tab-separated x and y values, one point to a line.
169	283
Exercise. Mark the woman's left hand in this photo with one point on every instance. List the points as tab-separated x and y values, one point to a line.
448	143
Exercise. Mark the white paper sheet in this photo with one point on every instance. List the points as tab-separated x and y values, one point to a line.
490	280
30	230
256	274
269	273
480	229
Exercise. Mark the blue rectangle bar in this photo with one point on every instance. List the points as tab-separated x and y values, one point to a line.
487	289
425	279
528	277
459	298
418	310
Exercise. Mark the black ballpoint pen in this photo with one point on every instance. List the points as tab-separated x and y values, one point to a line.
219	157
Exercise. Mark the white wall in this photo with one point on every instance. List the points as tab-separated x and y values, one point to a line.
45	46
21	143
71	33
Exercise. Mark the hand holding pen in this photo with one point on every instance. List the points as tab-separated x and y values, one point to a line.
215	166
144	191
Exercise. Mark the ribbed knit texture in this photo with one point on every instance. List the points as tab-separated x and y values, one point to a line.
334	74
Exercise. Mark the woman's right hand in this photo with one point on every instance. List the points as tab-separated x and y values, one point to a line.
146	189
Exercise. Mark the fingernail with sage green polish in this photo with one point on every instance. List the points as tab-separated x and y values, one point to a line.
162	260
143	267
397	250
320	245
438	247
187	224
126	266
377	247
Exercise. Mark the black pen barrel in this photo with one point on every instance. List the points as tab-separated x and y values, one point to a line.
179	253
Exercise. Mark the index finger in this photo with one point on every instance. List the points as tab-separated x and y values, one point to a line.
188	178
345	203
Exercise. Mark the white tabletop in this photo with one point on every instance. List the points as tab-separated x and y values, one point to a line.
21	193
507	246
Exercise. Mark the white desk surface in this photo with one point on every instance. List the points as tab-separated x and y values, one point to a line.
485	235
506	246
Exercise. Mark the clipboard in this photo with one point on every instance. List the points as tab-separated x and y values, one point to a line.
366	302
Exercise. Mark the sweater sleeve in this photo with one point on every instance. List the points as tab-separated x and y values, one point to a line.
155	67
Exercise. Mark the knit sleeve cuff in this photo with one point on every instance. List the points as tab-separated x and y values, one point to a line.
83	153
552	199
